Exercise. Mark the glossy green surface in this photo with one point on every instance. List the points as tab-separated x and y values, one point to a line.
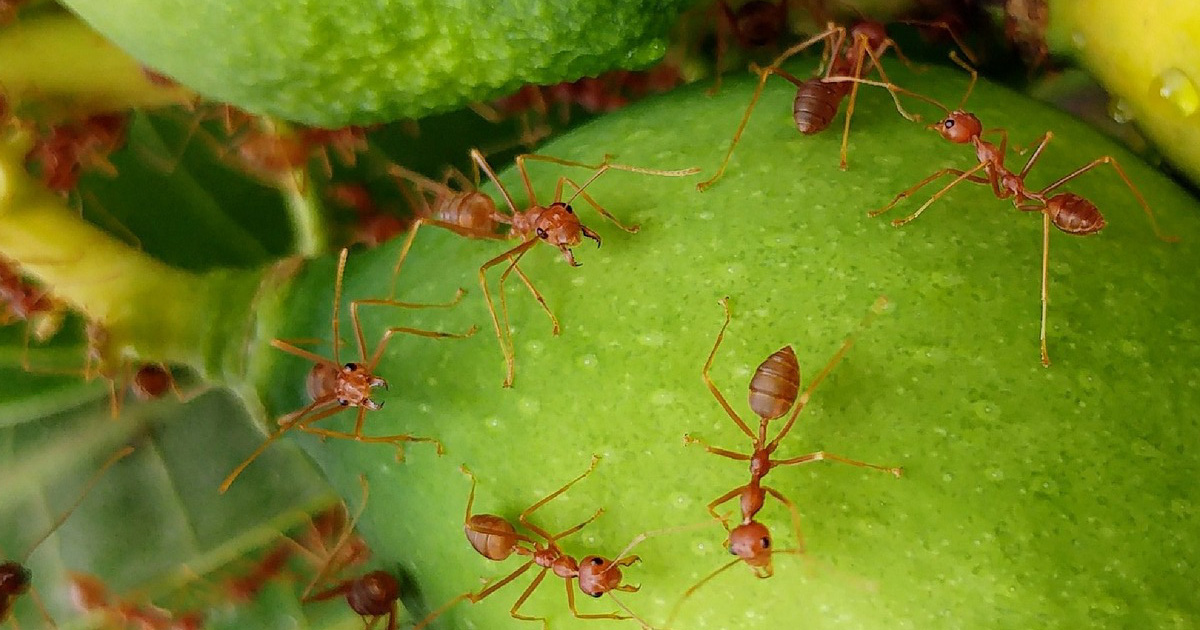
1032	497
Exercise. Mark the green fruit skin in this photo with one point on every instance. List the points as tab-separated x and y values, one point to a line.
1032	497
365	61
1147	54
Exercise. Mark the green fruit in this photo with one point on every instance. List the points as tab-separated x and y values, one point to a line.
363	61
1060	497
1145	54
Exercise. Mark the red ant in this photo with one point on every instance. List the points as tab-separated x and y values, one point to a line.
9	10
90	595
773	391
374	595
854	53
554	224
66	150
496	539
17	580
755	24
1066	211
22	301
333	387
374	226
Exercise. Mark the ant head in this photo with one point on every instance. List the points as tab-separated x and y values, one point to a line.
752	543
875	33
351	386
558	226
759	22
14	579
598	576
373	593
959	126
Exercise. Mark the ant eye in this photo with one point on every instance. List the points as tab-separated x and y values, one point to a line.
597	561
569	209
766	543
596	595
351	367
949	124
541	233
731	551
343	402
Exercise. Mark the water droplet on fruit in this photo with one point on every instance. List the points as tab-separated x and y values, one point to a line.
1177	89
1120	111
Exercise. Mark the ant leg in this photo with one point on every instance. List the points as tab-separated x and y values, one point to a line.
395	440
524	516
579	615
524	596
280	344
695	587
1108	159
504	337
961	176
878	65
713	505
708	379
763	75
554	327
1045	285
725	19
795	512
345	537
296	419
819	456
958	41
688	440
480	162
875	310
475	598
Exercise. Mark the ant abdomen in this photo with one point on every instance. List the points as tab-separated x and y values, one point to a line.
775	383
493	537
475	212
373	594
1074	214
816	104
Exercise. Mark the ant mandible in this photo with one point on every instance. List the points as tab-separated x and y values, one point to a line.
1069	212
496	539
773	391
334	386
17	580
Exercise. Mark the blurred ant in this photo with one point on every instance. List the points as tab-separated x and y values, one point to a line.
496	539
90	595
1069	212
773	391
334	387
373	225
373	596
15	578
61	155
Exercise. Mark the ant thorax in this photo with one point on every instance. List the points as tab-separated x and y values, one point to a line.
598	576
